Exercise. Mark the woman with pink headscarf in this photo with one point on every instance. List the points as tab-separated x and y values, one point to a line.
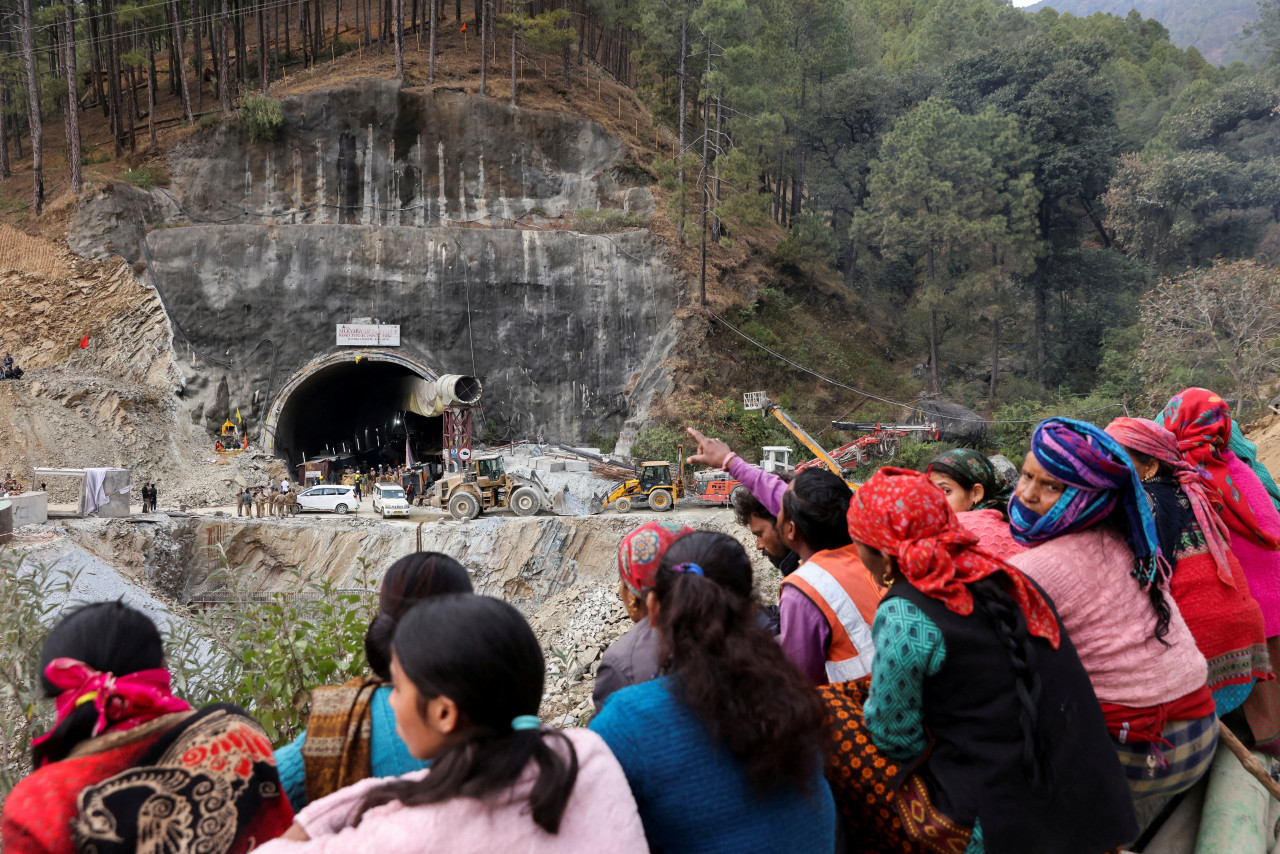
1202	422
1206	580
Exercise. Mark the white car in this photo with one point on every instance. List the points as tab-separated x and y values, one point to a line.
389	500
330	497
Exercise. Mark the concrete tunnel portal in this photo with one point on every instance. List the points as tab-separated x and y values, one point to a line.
362	405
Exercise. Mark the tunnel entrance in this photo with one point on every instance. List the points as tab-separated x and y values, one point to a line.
358	408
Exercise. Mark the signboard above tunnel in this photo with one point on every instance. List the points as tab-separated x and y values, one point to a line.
368	335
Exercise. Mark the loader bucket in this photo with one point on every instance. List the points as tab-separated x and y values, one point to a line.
566	504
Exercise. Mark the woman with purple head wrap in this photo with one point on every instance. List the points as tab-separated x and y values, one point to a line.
1079	504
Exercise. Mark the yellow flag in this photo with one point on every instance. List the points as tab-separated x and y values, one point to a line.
238	418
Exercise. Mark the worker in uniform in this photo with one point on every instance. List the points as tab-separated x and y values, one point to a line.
259	501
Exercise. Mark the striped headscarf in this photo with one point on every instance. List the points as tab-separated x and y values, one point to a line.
901	513
1148	437
1099	477
1202	422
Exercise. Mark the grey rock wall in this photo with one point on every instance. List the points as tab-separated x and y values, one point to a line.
442	212
560	324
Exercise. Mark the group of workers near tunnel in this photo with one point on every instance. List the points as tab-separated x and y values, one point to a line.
960	665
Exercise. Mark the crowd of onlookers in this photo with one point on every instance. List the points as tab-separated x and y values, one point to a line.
955	663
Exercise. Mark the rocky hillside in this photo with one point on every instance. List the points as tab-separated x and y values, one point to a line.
110	403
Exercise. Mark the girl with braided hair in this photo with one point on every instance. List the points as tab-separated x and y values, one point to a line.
1094	549
978	730
722	749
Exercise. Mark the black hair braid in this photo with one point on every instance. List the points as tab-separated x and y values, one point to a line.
1163	612
1011	625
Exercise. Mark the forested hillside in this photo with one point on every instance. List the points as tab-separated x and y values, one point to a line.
1210	26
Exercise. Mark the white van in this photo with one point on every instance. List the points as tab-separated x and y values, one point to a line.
333	497
389	500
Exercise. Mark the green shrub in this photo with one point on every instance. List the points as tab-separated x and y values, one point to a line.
606	442
32	594
909	455
269	652
264	118
209	121
658	442
146	177
592	221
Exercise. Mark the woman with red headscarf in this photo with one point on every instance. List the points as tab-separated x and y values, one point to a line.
979	730
1206	580
1202	422
633	657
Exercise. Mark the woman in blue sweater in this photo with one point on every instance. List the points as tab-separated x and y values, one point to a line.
721	750
326	758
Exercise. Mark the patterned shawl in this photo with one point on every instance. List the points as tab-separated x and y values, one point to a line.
1099	477
1148	437
1201	421
900	512
966	467
207	785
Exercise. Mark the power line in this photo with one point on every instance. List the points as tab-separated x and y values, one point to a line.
907	406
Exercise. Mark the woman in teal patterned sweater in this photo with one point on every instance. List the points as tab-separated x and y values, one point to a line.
323	759
978	730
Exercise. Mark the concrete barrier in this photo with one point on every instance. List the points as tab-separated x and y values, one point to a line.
30	508
6	521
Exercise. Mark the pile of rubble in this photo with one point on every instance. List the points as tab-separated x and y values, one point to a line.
575	629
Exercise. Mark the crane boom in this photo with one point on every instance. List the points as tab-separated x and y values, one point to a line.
759	400
805	439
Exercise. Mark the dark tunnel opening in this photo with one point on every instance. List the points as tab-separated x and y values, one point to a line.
356	410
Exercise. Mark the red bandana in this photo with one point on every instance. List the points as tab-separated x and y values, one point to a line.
640	552
900	512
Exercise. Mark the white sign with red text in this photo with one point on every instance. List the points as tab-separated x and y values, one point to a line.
368	335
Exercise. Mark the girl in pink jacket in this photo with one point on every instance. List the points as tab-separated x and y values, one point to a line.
468	678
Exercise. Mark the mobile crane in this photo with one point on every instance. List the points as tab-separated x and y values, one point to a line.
758	401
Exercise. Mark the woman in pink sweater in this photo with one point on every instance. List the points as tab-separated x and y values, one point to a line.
1080	506
468	676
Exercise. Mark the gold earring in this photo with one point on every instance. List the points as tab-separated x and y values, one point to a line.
889	580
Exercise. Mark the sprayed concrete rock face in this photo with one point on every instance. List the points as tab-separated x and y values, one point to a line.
358	210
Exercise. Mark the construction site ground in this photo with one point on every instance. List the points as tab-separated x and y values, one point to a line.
560	571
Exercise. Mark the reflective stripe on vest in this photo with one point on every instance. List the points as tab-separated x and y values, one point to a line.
842	589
